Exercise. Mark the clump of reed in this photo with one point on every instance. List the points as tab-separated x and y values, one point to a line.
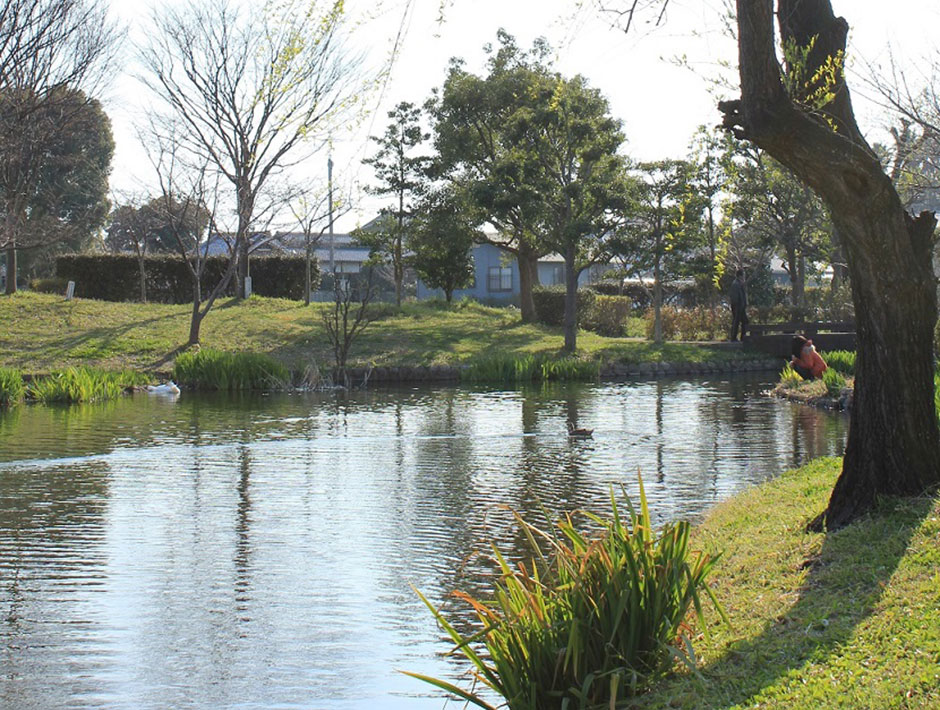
589	624
12	388
529	368
834	381
83	384
789	378
210	369
843	361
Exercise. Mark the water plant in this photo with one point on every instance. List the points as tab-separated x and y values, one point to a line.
842	361
834	381
589	623
789	378
211	369
505	368
11	386
83	384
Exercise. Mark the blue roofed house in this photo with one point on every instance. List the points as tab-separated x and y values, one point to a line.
496	276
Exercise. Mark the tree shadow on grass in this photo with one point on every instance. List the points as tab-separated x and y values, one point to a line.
843	587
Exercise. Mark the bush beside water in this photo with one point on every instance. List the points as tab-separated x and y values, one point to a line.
529	368
12	388
592	622
83	384
210	369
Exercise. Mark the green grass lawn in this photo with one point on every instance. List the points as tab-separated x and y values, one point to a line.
40	332
849	619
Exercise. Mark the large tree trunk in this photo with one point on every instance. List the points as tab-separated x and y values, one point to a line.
528	261
11	271
894	442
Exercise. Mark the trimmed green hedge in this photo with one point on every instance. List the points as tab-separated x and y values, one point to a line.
116	277
550	304
609	315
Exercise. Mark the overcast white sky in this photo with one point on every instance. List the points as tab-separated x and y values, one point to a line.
660	103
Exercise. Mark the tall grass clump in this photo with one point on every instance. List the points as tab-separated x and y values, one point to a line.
834	381
82	384
592	622
842	361
12	388
789	378
529	368
210	369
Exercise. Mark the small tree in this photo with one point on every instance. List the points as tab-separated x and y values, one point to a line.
349	315
442	236
403	176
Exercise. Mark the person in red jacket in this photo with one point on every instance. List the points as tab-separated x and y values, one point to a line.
806	361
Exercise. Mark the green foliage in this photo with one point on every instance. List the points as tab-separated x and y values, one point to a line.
517	369
789	378
811	81
164	224
592	622
116	277
441	237
12	388
83	384
550	304
609	315
842	361
697	323
210	369
834	381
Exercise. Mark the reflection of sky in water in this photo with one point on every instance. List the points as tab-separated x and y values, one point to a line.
257	552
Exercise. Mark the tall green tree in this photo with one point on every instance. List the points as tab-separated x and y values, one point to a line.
402	173
441	238
571	162
472	119
663	231
784	213
54	56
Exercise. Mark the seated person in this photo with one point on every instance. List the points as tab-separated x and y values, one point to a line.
807	363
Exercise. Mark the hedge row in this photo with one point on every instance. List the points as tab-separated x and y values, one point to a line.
116	277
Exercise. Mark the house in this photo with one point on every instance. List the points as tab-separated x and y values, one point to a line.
496	276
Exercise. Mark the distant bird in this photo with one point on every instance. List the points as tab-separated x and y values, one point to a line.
576	433
167	388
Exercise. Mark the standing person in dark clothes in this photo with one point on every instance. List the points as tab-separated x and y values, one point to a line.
738	305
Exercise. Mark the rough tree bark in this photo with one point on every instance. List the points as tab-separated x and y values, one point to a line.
894	444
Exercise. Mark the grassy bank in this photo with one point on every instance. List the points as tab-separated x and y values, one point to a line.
43	332
844	620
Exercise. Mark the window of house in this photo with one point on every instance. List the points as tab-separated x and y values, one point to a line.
499	278
558	274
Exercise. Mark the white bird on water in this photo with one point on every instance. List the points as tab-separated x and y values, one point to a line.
167	388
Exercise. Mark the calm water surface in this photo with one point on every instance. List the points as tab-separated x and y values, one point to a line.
259	552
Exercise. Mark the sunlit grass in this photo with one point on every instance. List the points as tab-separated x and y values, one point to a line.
12	388
82	384
209	369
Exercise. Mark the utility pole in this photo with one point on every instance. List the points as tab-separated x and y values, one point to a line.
329	183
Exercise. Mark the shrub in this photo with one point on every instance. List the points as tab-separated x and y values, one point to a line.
789	378
11	387
529	368
698	323
49	285
592	622
82	384
116	277
217	370
608	315
842	361
550	304
834	381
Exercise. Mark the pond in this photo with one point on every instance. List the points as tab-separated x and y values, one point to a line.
260	551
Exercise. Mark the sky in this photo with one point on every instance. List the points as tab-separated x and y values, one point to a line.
656	78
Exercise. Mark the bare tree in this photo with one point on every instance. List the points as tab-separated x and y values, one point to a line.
51	51
187	203
349	315
254	94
